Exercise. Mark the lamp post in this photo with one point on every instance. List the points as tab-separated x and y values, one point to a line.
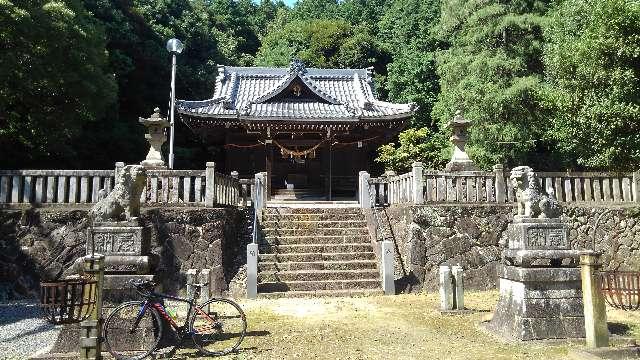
175	47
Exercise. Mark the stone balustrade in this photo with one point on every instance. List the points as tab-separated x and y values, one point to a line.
164	187
428	186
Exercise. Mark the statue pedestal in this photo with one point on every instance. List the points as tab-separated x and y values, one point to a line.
540	284
539	303
126	246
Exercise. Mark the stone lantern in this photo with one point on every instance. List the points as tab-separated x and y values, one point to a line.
460	161
156	137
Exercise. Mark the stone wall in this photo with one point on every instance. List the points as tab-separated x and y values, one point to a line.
43	244
474	236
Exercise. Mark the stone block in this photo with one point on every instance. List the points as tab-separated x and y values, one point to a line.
538	234
541	303
118	239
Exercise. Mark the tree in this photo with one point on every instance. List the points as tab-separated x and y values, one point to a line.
319	43
53	81
492	70
593	69
422	145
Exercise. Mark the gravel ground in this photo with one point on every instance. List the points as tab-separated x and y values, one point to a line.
23	330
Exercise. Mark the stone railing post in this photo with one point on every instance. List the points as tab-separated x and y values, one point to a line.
236	189
91	328
595	315
418	183
386	253
501	189
363	190
636	186
210	185
260	191
118	170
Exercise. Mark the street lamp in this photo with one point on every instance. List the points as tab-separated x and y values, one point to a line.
175	47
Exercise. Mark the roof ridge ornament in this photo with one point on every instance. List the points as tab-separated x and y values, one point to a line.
297	67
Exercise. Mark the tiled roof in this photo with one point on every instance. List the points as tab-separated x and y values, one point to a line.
255	93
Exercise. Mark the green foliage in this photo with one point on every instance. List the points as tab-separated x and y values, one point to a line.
415	145
406	30
593	69
493	72
53	80
320	43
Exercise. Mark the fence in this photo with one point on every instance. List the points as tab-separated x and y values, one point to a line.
173	187
419	186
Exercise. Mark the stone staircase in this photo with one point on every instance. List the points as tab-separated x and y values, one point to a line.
316	252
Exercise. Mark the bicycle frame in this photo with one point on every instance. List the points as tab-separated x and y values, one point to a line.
154	300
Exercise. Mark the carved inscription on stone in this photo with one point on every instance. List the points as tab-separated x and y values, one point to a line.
114	243
546	238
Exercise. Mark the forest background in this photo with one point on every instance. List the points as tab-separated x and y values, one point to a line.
552	84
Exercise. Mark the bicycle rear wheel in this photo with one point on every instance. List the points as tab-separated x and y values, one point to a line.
132	332
218	326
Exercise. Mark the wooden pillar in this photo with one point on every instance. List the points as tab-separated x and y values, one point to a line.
268	166
326	170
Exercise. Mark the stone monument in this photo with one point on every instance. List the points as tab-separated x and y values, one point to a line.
540	287
117	233
460	161
156	137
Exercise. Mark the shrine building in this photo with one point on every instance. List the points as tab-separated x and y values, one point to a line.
312	130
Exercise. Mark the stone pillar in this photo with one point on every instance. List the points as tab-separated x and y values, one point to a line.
457	276
595	314
446	288
363	190
252	271
387	255
91	328
118	169
210	187
192	275
418	183
237	190
501	189
451	288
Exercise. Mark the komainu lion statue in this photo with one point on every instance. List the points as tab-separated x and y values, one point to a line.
124	199
532	200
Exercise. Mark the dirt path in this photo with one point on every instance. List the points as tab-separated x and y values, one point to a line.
396	327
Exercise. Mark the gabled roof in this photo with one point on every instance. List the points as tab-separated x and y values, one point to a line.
262	93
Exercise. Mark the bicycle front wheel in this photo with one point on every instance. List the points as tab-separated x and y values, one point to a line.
218	326
131	331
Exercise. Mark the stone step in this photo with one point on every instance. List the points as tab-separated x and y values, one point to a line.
311	210
280	286
312	257
313	217
327	248
321	293
322	224
315	240
314	232
317	265
317	275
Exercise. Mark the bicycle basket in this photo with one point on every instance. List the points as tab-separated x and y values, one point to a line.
68	301
621	289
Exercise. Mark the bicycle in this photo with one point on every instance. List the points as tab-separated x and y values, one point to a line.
134	329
